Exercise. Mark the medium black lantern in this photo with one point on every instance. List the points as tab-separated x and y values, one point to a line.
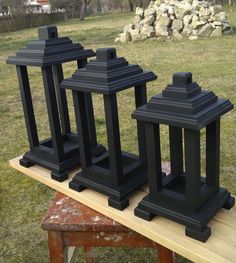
184	195
114	173
59	153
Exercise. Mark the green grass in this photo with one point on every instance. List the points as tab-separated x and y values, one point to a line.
23	201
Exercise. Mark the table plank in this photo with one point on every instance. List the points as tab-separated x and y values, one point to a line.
220	247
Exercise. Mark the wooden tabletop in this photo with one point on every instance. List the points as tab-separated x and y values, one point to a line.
219	248
67	214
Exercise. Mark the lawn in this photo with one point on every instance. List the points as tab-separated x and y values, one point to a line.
24	201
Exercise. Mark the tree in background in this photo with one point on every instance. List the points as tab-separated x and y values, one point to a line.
13	7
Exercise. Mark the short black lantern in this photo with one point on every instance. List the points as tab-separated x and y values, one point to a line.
184	196
114	173
59	153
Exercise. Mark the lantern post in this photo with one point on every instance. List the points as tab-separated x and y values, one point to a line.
184	195
60	152
114	173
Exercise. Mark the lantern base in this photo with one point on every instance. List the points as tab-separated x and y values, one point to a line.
196	223
99	178
43	155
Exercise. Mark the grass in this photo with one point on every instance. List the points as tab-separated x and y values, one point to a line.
24	201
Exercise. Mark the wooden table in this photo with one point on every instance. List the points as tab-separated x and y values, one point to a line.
220	247
71	224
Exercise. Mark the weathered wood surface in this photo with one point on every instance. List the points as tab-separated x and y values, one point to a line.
220	247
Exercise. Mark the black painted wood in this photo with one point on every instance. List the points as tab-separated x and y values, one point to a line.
53	115
62	99
176	150
113	137
213	154
114	173
192	169
79	99
60	152
27	106
141	99
154	159
184	196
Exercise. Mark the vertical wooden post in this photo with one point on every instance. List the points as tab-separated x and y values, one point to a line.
176	150
193	168
53	112
153	158
57	249
81	117
113	137
61	98
213	154
27	106
89	110
141	99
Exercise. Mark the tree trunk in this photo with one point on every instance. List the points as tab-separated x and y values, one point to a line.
82	11
131	6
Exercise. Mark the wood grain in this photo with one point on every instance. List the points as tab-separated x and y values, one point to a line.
220	247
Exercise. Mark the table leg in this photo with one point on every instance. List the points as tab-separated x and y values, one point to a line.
57	249
164	254
89	254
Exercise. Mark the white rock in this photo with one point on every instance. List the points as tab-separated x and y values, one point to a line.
139	12
149	31
176	34
164	20
149	20
137	19
193	38
125	37
217	23
161	31
187	30
149	12
171	10
177	18
187	19
217	32
177	24
135	34
221	17
206	30
129	27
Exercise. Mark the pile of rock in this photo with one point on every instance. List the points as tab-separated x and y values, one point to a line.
176	19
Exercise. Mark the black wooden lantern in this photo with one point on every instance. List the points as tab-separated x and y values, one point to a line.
60	152
114	173
184	195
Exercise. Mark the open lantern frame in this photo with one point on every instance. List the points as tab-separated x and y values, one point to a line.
114	173
60	153
184	196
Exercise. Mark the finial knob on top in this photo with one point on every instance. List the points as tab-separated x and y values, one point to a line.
105	54
47	32
181	79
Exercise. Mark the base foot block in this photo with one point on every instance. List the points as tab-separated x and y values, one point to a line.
76	186
229	203
60	177
143	214
199	234
26	163
118	204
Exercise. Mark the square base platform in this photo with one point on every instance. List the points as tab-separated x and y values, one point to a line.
43	155
134	173
196	223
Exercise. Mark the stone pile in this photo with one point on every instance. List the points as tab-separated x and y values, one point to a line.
176	19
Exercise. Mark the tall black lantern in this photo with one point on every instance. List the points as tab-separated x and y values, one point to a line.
114	173
60	152
184	196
